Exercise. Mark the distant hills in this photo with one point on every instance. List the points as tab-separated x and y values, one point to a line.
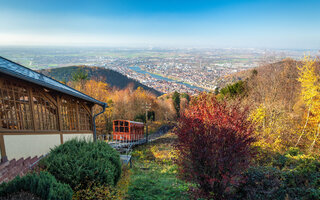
112	78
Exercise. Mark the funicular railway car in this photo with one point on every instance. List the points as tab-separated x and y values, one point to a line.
126	130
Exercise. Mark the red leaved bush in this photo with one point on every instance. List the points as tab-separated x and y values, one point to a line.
214	146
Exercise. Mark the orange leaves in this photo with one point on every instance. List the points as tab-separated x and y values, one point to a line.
123	104
97	90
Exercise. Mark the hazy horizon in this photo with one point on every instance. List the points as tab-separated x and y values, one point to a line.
149	47
164	24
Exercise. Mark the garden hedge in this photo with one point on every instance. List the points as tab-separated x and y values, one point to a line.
43	185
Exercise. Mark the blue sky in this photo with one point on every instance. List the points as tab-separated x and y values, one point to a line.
163	23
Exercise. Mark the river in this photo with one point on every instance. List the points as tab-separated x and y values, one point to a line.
139	70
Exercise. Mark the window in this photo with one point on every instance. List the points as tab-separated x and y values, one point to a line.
45	112
15	110
74	115
121	126
69	114
85	118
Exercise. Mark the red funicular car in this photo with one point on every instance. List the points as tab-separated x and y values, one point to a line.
127	130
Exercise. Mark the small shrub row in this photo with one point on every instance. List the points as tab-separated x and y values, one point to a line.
43	185
80	163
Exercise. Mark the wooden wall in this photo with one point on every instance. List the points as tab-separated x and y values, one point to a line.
29	109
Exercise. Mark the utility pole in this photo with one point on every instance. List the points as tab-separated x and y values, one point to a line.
147	107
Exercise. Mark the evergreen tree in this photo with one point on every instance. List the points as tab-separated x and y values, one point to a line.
176	102
186	96
80	76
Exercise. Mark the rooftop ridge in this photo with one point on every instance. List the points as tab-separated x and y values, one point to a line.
11	68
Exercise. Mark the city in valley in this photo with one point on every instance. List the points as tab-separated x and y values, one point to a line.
166	70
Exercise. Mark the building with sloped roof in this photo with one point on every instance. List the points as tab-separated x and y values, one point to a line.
38	112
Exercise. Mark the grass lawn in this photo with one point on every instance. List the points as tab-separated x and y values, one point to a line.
154	175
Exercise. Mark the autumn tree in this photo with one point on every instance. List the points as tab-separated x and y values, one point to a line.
273	128
310	93
99	91
128	104
165	110
273	94
214	146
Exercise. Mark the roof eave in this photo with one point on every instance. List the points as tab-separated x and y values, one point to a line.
39	82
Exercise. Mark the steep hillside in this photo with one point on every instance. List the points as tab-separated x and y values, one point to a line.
277	103
264	70
113	78
272	69
275	84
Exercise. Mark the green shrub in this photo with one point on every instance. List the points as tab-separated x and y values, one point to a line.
43	185
292	175
263	183
80	162
301	163
272	183
237	89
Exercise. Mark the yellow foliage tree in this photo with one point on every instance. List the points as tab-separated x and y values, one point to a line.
270	130
99	91
310	93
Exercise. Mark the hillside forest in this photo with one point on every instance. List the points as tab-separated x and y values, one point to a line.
128	103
